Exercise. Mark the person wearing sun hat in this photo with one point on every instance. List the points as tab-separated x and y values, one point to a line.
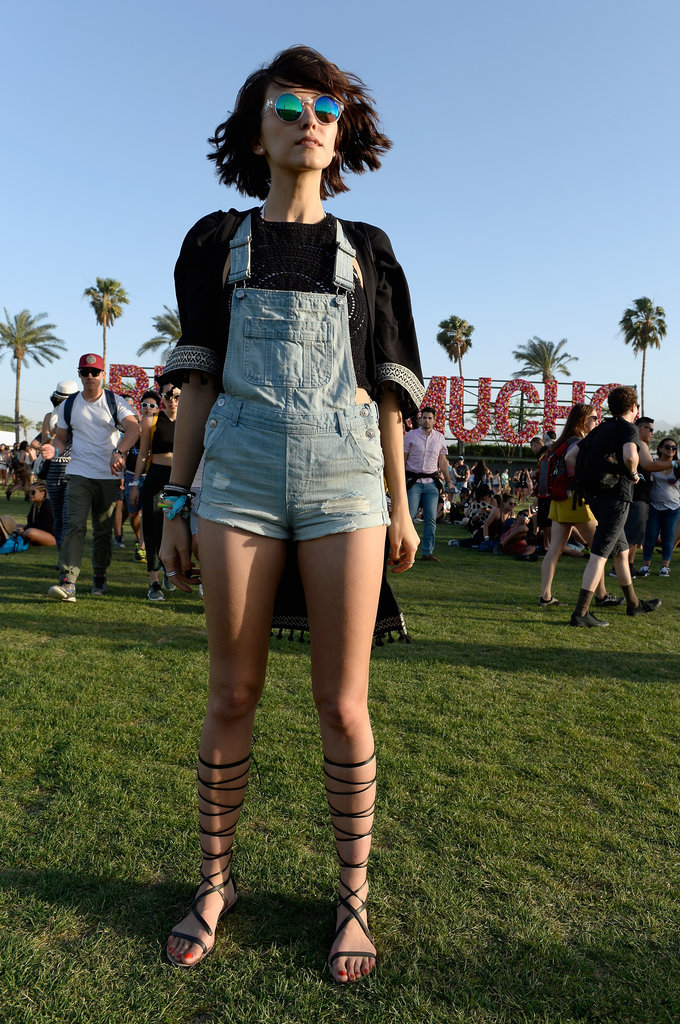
93	420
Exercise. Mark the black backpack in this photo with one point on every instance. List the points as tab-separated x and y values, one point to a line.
599	467
110	401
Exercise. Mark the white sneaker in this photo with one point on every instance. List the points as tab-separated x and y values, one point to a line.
63	591
664	571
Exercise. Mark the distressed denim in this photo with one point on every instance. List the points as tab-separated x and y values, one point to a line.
288	453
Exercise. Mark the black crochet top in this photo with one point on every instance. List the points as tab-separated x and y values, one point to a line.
298	257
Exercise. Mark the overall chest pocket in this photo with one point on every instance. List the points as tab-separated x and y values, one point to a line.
287	353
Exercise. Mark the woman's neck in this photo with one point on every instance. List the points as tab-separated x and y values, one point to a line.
294	199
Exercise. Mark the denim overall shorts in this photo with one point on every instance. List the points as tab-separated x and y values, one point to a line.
288	452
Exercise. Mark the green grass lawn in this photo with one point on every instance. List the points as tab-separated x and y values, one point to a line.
525	866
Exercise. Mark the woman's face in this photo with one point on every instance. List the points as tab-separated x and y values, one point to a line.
170	399
590	422
36	494
302	145
668	449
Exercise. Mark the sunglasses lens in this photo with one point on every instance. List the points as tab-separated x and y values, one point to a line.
326	110
288	107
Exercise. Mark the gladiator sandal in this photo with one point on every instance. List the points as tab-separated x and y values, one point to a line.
347	788
230	791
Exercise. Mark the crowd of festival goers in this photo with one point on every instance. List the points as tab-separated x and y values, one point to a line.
503	511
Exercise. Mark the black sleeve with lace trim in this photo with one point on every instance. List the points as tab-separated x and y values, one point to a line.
201	299
394	360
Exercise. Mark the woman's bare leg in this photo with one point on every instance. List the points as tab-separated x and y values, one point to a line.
240	579
35	536
341	575
558	538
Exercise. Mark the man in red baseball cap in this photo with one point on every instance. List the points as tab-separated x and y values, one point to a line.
91	361
93	419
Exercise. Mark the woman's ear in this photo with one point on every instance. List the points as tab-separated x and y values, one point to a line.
258	148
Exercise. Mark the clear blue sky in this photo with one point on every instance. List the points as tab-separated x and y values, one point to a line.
532	187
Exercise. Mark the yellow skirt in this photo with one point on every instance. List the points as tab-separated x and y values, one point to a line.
564	512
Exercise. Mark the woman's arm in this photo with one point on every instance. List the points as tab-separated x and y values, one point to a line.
144	446
495	514
402	534
45	434
196	402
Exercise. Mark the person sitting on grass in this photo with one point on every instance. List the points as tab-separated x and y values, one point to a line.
516	536
496	523
460	508
477	511
40	526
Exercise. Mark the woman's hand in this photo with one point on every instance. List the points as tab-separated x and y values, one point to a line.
175	553
134	494
404	541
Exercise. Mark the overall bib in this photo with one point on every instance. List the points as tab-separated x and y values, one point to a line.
288	453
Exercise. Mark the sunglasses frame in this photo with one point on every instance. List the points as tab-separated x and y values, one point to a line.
89	371
170	396
148	405
304	102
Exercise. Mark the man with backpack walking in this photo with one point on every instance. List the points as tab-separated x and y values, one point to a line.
93	419
606	463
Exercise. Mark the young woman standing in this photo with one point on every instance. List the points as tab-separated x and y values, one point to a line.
155	452
298	362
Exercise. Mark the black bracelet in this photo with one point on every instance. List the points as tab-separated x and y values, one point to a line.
178	489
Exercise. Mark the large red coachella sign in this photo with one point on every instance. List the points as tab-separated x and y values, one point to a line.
435	396
132	381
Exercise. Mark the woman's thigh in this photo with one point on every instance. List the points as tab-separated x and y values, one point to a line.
240	573
341	575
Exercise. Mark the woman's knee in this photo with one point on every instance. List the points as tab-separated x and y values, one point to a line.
343	714
231	699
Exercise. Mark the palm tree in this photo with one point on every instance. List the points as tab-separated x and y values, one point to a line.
544	358
27	339
643	326
168	330
454	338
107	300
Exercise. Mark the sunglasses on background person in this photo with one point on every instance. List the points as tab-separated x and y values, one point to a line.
170	395
669	447
149	405
89	373
289	108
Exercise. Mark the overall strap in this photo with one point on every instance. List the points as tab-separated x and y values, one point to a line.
343	272
240	252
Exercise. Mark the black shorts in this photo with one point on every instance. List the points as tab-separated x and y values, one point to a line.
610	535
636	522
543	514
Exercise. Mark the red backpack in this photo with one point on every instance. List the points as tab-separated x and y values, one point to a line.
557	483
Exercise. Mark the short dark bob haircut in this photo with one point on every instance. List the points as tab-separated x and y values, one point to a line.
360	143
